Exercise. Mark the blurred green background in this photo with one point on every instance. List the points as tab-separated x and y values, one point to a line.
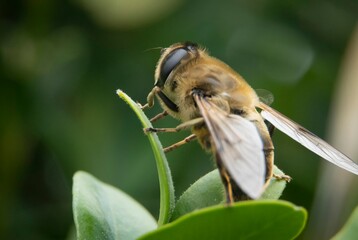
61	62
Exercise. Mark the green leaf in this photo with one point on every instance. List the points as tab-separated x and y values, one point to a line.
167	198
209	191
262	219
205	192
275	189
104	212
350	229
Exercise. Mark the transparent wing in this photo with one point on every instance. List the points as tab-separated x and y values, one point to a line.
238	145
265	96
307	139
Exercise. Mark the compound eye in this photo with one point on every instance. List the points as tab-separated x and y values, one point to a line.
169	63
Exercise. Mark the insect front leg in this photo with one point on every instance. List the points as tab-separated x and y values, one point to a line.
183	126
150	98
180	127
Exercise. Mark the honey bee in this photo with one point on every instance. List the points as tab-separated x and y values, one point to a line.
228	118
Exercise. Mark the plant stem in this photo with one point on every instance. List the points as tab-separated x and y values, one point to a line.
167	198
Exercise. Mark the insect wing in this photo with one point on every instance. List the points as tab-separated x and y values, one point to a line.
265	96
238	145
307	139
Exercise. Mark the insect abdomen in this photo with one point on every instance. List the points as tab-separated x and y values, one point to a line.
203	136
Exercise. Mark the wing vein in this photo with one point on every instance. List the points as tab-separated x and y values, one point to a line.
308	139
237	144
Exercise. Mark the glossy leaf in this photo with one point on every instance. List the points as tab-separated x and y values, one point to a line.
104	212
209	191
265	219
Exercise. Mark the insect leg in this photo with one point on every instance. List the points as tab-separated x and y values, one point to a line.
269	157
226	179
265	131
270	127
155	130
180	127
180	143
159	116
232	190
150	98
229	193
283	177
143	107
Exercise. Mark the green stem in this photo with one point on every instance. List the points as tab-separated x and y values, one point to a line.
167	198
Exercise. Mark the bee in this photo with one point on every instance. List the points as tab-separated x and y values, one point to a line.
228	119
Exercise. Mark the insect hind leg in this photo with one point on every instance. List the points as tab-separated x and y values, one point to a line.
270	127
232	191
